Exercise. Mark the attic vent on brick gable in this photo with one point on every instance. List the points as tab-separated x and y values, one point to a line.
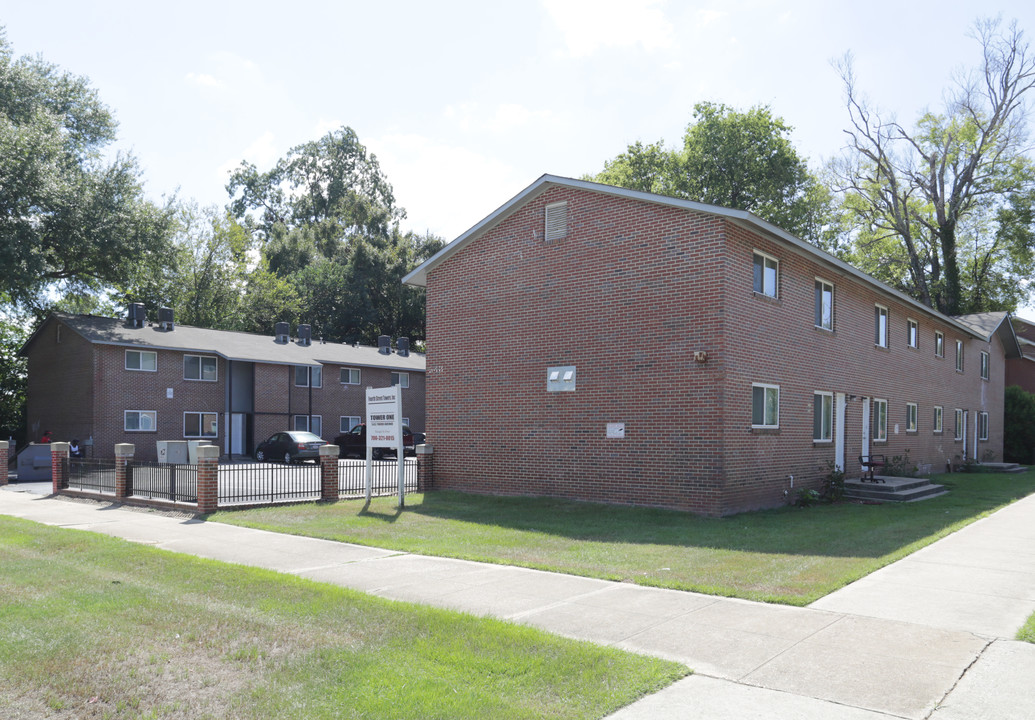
556	221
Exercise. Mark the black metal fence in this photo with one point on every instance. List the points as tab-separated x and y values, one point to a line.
384	477
91	475
162	481
251	483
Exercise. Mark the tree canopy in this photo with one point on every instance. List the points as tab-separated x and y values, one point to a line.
943	211
69	218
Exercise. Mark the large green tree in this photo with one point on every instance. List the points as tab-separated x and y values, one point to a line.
943	211
70	218
734	159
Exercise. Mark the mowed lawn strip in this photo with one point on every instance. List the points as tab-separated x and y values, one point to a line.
1027	633
789	555
96	627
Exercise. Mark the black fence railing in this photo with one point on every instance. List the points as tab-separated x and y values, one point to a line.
91	475
162	481
249	483
384	477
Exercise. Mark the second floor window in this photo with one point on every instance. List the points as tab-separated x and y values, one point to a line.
984	365
146	360
766	274
351	376
880	326
912	333
959	356
401	379
824	305
199	367
303	373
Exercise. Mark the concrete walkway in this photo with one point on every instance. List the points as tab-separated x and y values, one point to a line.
926	637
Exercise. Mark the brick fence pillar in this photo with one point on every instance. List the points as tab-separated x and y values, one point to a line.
425	467
123	454
329	472
58	466
4	447
208	478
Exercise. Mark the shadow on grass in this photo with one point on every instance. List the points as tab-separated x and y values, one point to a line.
841	530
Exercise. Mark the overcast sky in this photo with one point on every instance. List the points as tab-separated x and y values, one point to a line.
466	103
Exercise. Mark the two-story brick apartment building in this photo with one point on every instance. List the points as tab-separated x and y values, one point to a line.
598	343
1021	370
109	381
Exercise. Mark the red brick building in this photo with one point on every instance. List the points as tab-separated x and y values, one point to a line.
106	381
603	344
1021	370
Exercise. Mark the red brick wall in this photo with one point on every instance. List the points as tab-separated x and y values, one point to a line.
628	297
60	384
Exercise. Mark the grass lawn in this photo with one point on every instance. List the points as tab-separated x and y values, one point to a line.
95	627
1027	633
789	555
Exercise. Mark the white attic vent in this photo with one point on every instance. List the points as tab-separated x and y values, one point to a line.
556	221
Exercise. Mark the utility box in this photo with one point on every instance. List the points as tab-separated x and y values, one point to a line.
192	449
173	452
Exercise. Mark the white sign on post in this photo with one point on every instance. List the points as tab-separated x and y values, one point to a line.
384	430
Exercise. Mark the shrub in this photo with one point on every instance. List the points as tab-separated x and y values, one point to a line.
1019	426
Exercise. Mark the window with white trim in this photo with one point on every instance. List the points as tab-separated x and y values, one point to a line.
406	421
939	344
959	356
139	421
984	365
303	373
880	420
880	326
556	221
310	423
912	334
911	417
351	376
767	274
347	422
959	424
144	360
822	416
982	426
401	379
200	367
937	421
824	305
200	424
765	405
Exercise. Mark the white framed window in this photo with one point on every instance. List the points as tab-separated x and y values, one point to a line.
310	423
140	421
406	421
303	373
911	417
556	227
822	416
959	424
200	424
200	367
351	376
347	422
880	420
824	305
939	344
959	356
765	405
144	360
982	426
912	334
401	379
767	274
984	365
880	326
937	421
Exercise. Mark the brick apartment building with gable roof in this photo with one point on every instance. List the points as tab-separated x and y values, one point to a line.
1021	371
106	381
603	344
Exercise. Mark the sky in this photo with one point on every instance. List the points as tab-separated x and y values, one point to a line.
466	103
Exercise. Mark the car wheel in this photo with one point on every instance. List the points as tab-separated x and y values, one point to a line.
288	460
260	455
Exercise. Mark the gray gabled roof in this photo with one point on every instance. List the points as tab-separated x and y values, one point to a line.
247	347
988	324
419	275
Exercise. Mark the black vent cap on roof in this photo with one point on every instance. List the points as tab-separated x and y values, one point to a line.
137	317
305	334
384	344
165	318
281	330
402	346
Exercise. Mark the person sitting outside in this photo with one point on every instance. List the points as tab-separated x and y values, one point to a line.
74	449
46	439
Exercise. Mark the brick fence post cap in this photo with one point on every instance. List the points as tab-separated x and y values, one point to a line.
4	445
125	449
208	452
59	447
423	449
329	451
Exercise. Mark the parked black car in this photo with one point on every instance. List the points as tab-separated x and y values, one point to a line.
354	443
290	446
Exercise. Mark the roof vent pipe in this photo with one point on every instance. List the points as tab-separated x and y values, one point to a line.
384	344
165	318
281	330
402	346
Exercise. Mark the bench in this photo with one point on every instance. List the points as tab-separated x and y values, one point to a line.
869	464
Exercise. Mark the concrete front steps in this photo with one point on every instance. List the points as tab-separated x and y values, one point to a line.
1002	467
893	489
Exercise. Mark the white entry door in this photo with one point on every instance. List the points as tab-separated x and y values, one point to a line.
237	429
839	431
865	451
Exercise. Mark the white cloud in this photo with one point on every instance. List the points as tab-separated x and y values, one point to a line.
591	25
203	80
262	153
501	119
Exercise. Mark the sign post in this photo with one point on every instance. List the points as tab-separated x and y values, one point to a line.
384	430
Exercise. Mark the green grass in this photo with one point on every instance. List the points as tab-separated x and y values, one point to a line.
95	627
789	555
1027	633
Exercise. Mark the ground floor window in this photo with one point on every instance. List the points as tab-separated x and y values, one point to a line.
983	426
200	424
880	420
140	421
765	406
959	424
937	418
822	416
347	422
312	423
911	414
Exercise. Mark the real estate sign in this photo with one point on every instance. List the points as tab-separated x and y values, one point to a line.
384	417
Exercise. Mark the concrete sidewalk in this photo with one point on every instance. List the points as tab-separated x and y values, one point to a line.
751	660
